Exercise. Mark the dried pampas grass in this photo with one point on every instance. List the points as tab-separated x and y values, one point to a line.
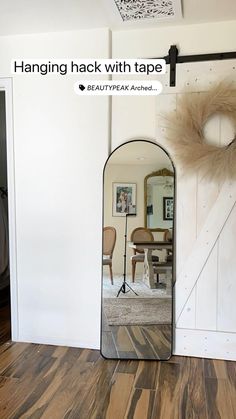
185	132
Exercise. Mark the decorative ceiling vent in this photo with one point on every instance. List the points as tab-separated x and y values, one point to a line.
147	9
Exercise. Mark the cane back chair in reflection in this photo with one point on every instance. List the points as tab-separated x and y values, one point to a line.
140	234
109	241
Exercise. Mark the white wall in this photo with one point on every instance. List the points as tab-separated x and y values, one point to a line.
61	144
155	42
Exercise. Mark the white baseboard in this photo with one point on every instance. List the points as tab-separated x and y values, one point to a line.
44	340
205	344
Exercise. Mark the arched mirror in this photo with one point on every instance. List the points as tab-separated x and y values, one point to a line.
138	253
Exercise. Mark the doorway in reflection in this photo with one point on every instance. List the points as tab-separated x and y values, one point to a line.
138	197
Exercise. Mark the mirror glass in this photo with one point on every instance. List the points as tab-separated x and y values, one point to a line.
158	200
138	253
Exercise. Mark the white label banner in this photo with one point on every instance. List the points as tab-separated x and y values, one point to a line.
118	88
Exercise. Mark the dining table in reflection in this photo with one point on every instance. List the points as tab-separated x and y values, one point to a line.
151	268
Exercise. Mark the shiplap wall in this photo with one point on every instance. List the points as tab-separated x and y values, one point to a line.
206	231
205	309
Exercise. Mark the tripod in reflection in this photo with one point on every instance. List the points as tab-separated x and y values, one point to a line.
125	285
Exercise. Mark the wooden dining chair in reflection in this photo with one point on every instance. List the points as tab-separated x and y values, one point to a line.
109	241
166	264
140	234
168	238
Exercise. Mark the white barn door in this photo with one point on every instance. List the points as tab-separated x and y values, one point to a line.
205	289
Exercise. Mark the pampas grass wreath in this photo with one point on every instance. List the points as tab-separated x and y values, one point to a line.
185	131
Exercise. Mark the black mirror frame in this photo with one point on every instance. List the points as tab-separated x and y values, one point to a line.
174	252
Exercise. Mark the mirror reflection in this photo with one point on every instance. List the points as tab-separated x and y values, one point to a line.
158	194
137	253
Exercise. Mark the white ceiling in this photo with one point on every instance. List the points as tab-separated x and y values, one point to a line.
33	16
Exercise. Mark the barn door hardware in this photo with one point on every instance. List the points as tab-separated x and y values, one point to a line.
173	58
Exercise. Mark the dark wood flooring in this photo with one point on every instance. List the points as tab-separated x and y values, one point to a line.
44	381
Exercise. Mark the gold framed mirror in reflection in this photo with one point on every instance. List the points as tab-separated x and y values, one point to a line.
138	255
158	200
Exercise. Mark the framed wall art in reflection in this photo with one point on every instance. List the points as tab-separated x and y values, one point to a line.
124	199
168	208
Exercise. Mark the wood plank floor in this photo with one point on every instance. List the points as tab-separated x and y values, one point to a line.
43	381
136	342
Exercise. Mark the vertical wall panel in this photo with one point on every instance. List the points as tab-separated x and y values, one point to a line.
207	192
132	116
206	294
206	290
188	316
226	311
